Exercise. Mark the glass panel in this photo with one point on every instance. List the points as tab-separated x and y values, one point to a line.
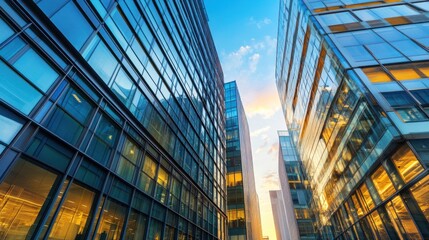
410	114
382	183
9	128
147	175
422	95
36	69
406	163
338	18
103	141
72	218
5	31
403	72
16	91
383	51
379	225
68	121
72	24
136	228
376	74
112	221
155	230
22	194
402	220
123	87
103	62
397	99
420	193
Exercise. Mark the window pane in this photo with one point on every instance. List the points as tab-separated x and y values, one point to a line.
409	48
103	62
136	228
382	183
123	86
72	24
126	169
422	95
112	221
73	216
402	219
383	51
9	128
410	114
103	141
5	31
420	192
406	163
338	18
149	166
397	99
379	225
376	74
16	91
155	230
35	68
22	195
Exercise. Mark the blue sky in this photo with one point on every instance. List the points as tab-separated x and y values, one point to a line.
245	33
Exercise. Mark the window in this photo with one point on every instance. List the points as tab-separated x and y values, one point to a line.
102	60
409	48
404	106
136	227
10	126
71	222
376	75
70	21
406	163
70	116
234	179
147	175
23	193
128	160
382	183
379	225
123	87
383	51
155	230
5	31
401	219
112	221
16	91
337	18
103	141
35	68
161	185
423	97
420	193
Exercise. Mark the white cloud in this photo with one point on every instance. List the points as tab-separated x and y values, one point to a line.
253	62
259	23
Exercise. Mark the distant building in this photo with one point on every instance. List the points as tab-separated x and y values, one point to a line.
266	238
279	215
242	203
353	80
295	191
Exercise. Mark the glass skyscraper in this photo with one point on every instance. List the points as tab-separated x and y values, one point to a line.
294	198
353	79
244	220
111	121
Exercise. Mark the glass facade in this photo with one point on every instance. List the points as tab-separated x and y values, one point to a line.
295	193
352	77
244	220
112	121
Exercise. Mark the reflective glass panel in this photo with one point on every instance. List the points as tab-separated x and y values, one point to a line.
401	219
112	221
72	24
73	215
9	127
407	164
382	183
23	193
5	31
136	227
420	193
16	91
36	69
